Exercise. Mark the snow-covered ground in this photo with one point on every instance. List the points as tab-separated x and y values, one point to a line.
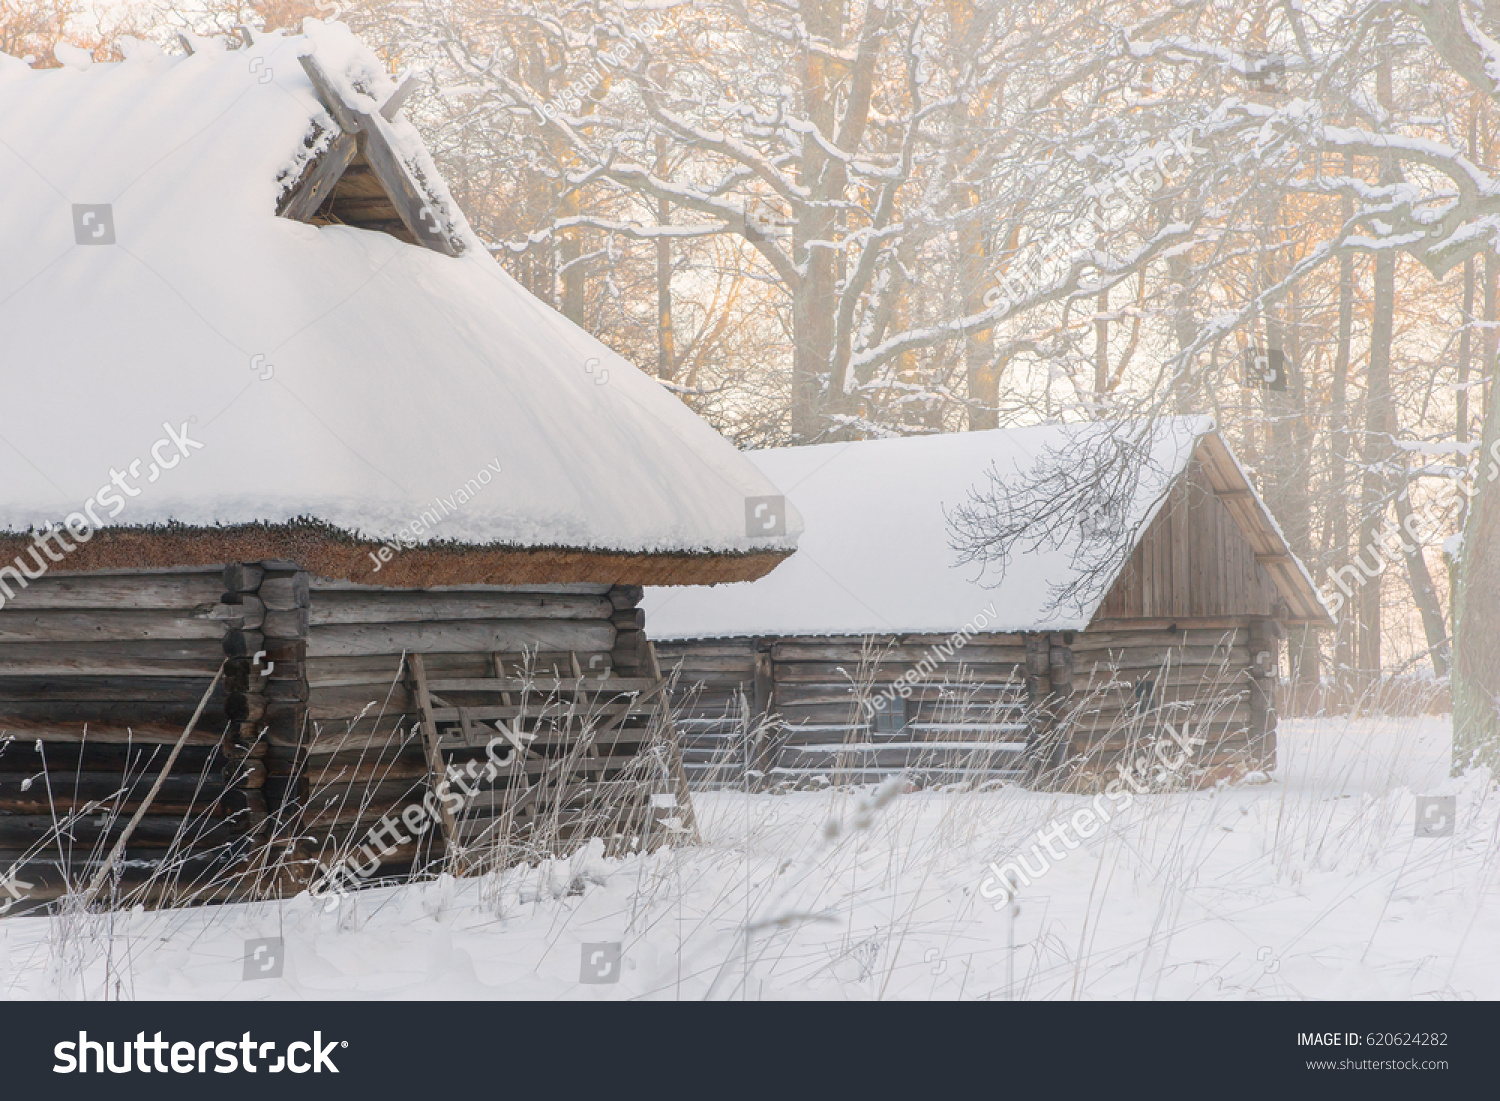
1312	885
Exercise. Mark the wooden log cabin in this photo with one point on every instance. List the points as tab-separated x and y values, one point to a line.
874	650
306	500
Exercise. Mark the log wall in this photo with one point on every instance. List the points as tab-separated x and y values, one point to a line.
362	754
1056	709
310	735
804	711
99	676
1130	677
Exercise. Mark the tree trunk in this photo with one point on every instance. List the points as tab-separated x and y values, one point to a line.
666	341
569	252
1476	623
1375	452
1336	525
1424	592
1378	424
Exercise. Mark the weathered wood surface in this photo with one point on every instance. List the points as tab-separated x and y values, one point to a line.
183	591
481	636
339	607
107	625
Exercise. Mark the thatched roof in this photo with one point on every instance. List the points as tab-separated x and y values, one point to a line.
348	386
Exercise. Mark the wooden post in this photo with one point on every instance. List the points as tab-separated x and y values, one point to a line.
1038	691
674	752
1060	675
437	769
1263	674
764	750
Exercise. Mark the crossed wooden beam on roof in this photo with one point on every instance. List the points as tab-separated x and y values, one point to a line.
361	131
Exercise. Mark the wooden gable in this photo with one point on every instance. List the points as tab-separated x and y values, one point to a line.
1212	552
360	180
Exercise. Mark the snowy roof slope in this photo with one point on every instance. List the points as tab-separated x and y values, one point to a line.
875	556
331	373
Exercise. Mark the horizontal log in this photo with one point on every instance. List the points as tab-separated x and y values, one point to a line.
582	637
974	653
706	651
91	833
828	672
62	759
1149	657
1184	623
15	715
180	787
127	592
722	670
397	606
362	769
901	756
140	658
919	777
107	733
386	668
1198	678
1088	719
108	625
589	588
587	686
100	689
927	698
1108	640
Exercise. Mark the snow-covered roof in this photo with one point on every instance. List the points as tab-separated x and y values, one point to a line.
328	372
876	558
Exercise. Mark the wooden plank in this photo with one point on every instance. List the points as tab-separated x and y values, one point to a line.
587	588
420	213
107	625
461	635
96	689
585	686
403	92
1181	527
183	592
436	769
341	607
318	179
328	95
382	669
849	655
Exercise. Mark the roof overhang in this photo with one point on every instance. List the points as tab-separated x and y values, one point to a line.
330	552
